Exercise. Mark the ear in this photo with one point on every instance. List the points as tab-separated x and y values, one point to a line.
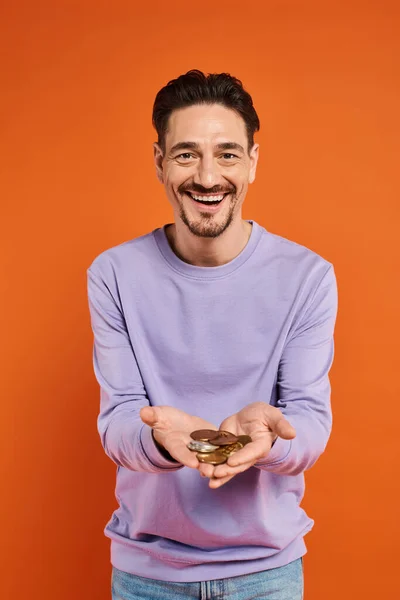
253	162
158	160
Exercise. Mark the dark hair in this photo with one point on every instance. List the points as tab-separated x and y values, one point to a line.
197	88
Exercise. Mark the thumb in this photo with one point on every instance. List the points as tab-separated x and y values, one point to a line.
148	414
281	427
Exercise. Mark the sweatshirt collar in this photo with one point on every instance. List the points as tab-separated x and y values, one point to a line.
196	272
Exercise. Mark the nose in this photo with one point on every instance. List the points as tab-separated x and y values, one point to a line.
207	172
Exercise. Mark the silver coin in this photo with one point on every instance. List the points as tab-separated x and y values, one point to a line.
196	446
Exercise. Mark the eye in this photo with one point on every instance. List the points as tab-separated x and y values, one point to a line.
185	155
228	156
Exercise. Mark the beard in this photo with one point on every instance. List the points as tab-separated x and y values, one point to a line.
206	226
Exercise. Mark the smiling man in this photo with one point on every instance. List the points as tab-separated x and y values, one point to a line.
210	322
206	202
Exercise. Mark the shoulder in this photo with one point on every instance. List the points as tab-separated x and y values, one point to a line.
128	255
292	259
288	249
293	270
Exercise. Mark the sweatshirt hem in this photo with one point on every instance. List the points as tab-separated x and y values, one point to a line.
143	564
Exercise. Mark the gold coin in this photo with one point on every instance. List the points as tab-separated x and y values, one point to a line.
230	449
220	456
212	458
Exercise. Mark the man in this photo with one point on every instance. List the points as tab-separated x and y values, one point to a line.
210	322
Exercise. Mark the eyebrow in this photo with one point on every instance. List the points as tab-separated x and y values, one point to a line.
195	146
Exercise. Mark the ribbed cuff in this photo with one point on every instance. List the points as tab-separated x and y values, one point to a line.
153	454
277	454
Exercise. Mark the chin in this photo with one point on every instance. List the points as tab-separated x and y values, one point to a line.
207	227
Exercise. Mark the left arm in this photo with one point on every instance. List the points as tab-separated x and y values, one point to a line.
288	438
303	385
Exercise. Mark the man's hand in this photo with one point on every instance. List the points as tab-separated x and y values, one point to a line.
172	428
264	424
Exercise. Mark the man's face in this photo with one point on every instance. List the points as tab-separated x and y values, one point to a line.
206	167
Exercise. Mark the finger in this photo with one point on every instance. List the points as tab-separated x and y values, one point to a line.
206	470
251	452
281	426
217	483
188	460
148	414
226	470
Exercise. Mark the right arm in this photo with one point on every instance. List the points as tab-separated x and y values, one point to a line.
126	439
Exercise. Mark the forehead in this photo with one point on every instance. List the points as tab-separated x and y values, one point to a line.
205	123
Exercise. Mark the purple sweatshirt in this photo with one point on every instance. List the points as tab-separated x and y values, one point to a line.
209	341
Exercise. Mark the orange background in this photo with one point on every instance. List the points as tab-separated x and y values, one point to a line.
77	177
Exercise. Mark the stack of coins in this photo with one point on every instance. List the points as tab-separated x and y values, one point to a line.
215	447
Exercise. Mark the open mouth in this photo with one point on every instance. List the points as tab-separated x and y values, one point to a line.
209	200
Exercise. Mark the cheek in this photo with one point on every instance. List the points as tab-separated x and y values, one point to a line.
173	179
239	177
241	189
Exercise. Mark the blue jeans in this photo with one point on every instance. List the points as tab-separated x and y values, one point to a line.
281	583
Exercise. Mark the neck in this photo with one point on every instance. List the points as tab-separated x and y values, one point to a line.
208	252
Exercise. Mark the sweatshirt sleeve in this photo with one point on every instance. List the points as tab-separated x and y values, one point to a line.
124	436
303	386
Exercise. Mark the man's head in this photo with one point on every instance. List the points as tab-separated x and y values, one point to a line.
205	147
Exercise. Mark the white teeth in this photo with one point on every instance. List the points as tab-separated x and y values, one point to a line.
208	198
